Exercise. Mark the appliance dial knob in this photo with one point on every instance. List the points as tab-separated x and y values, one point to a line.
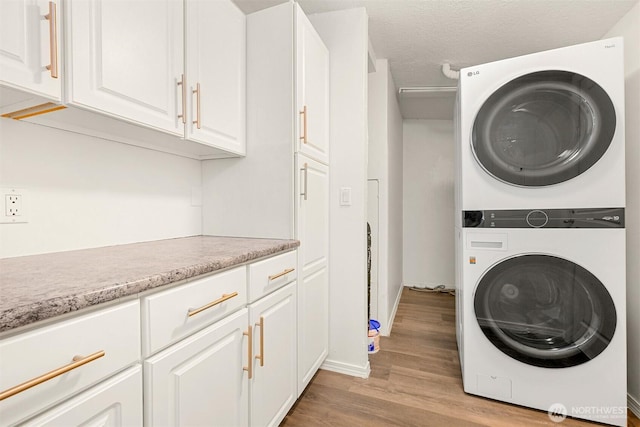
537	219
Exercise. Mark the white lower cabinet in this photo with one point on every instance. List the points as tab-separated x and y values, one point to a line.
201	380
313	324
116	402
240	369
218	350
273	386
313	268
84	350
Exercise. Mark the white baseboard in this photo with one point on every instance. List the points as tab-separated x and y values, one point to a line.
386	332
634	405
346	368
429	285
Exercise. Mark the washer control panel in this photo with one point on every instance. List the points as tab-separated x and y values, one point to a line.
545	218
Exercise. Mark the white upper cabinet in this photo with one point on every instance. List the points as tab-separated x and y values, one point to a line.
29	50
312	89
175	66
127	60
168	75
215	46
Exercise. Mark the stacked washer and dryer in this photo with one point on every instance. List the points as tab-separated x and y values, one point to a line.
540	238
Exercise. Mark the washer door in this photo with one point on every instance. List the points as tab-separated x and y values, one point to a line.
545	311
543	128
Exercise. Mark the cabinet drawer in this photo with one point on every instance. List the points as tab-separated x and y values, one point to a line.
165	315
116	401
114	331
267	276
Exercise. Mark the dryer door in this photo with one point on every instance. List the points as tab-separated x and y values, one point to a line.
545	311
543	128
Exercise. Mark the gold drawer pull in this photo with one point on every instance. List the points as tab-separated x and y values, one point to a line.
77	362
249	368
220	300
261	325
52	17
282	273
196	92
303	113
183	85
305	169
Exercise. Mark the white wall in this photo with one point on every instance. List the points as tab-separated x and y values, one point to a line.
377	170
395	135
428	203
385	165
259	188
345	34
629	28
87	192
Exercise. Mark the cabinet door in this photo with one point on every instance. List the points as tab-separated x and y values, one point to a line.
313	261
273	387
200	381
27	46
312	87
126	60
107	339
215	48
114	402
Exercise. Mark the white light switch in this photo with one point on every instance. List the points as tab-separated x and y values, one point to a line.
345	196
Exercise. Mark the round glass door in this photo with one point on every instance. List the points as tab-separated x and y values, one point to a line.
543	128
545	311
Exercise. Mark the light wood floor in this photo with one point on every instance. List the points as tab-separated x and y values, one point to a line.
415	381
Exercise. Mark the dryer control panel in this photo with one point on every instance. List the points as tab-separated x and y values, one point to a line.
545	218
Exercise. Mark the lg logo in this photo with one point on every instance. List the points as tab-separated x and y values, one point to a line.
473	73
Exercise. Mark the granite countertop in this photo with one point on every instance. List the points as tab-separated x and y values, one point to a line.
39	287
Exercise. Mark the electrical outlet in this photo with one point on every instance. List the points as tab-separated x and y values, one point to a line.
15	206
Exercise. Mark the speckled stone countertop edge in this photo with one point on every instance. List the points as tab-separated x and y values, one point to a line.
47	309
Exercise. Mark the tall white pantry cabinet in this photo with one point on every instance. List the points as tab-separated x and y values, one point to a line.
281	189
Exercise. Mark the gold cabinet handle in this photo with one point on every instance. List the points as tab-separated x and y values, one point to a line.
305	169
52	17
77	362
183	116
303	113
261	325
282	273
220	300
249	368
196	91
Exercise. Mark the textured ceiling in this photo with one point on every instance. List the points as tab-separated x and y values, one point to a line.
418	36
